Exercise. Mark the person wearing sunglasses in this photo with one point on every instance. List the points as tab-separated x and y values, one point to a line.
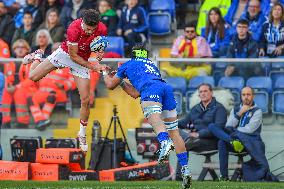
189	45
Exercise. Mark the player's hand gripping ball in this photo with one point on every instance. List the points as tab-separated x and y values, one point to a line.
99	43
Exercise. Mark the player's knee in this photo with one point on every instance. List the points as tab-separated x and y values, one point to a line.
152	110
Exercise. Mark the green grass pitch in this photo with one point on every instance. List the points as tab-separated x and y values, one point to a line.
136	185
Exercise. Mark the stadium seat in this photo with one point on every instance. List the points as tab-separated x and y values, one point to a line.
278	83
277	102
179	99
196	81
263	87
159	23
161	16
260	83
278	95
166	5
116	44
277	66
262	101
235	84
275	74
178	83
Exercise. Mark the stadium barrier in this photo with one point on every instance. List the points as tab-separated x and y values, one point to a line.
187	60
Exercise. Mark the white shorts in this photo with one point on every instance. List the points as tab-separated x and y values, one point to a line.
60	58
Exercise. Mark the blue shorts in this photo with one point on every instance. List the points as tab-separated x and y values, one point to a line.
159	92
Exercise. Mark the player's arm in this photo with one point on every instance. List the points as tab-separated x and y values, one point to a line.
73	52
129	89
111	81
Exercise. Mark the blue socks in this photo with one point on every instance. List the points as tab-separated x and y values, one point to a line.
163	136
182	158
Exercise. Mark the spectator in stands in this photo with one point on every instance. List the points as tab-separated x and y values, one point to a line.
16	92
189	45
108	16
243	131
194	127
204	9
243	46
272	40
32	7
133	23
216	33
255	17
236	10
26	31
43	42
7	27
45	5
9	69
53	25
71	11
52	89
14	5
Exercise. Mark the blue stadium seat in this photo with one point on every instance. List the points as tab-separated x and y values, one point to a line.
179	99
159	23
263	87
260	83
275	74
166	5
116	44
160	17
262	101
235	84
178	83
279	83
277	66
277	102
196	81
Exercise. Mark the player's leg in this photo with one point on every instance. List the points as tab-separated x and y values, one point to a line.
169	115
38	68
152	111
171	122
83	85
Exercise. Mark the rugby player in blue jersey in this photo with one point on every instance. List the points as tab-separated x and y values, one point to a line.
157	102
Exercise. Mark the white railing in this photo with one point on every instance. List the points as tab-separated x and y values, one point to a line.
187	60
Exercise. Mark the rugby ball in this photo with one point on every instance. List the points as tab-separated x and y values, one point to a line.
98	43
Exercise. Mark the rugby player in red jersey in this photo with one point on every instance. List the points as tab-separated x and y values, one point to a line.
74	53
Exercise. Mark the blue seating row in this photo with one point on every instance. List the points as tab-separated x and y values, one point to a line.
264	87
